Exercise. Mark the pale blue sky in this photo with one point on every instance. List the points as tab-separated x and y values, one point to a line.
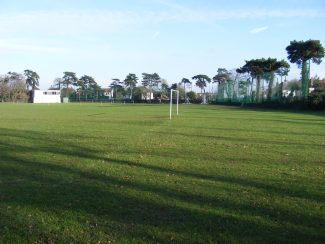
109	39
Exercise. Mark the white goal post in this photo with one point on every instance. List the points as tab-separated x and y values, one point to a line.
171	102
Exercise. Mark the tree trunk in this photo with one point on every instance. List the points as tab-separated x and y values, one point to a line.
251	91
258	89
281	90
269	92
184	93
221	91
304	81
150	92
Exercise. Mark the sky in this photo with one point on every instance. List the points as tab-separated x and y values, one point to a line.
108	39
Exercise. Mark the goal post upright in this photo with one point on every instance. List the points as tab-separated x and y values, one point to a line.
171	102
177	100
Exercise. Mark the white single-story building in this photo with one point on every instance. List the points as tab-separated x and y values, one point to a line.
49	96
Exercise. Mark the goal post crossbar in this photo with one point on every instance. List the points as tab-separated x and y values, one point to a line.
171	102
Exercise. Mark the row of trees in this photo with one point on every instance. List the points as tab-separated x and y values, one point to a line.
245	84
85	87
14	86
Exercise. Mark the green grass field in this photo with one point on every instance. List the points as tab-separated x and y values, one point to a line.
126	174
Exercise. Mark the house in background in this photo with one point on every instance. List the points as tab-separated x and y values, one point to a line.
312	82
147	96
108	92
49	96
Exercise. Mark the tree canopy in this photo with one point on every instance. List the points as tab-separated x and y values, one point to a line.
69	78
201	81
302	51
251	83
32	79
131	80
150	80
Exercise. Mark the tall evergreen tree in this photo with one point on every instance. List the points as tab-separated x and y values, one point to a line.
87	84
150	81
201	81
32	79
221	78
256	69
69	79
130	82
271	66
301	52
184	82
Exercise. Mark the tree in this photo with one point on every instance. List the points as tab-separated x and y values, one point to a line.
32	79
80	88
130	82
57	82
150	81
14	76
95	88
4	88
201	81
18	91
301	52
271	66
69	78
185	81
233	83
316	98
282	72
243	88
174	86
221	78
86	84
13	87
292	86
116	85
138	93
256	69
16	80
192	96
164	88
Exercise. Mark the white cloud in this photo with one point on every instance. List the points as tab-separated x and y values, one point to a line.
70	23
258	30
72	27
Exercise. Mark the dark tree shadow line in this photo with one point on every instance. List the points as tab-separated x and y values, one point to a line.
59	188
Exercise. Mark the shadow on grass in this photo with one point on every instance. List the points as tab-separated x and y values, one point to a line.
247	139
320	113
279	131
73	150
125	208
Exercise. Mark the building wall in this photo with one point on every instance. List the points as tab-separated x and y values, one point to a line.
50	96
147	96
